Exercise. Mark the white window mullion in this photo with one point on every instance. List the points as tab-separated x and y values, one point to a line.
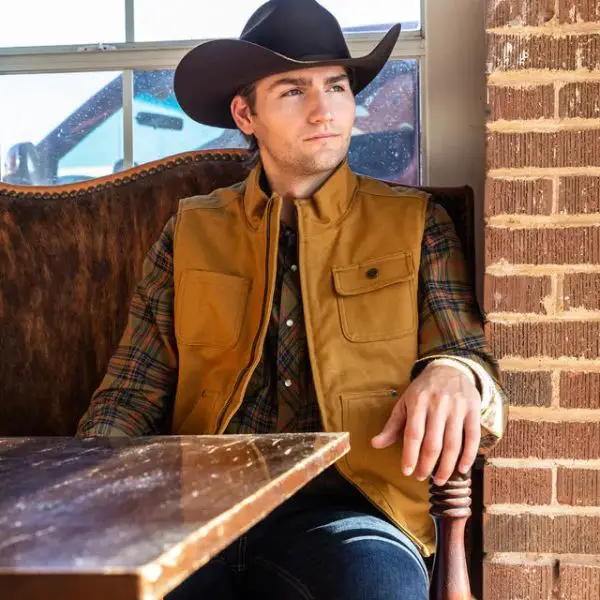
128	92
130	20
152	55
128	118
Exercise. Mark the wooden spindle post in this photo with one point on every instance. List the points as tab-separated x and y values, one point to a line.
451	508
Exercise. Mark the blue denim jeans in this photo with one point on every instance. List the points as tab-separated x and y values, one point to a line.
315	546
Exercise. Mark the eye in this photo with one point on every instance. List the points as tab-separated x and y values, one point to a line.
338	88
289	93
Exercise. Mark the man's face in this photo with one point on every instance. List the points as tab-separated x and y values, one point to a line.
302	119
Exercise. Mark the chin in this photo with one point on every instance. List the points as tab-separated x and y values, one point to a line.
324	161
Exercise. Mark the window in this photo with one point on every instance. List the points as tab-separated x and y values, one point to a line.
60	22
82	97
156	20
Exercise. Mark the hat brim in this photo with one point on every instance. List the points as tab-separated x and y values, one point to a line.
209	75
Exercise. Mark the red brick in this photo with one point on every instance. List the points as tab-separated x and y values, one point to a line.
582	290
579	195
565	338
580	390
517	486
577	11
512	581
578	487
575	245
542	439
544	150
566	534
579	581
520	196
580	100
528	388
505	13
516	294
519	52
521	103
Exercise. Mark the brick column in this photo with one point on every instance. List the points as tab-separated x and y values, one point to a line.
542	296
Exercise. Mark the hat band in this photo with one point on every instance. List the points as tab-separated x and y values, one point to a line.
319	57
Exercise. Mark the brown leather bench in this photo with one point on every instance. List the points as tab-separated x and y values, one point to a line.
71	256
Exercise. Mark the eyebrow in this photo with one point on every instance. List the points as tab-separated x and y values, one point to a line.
306	82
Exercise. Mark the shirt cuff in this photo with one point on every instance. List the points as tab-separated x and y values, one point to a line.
99	431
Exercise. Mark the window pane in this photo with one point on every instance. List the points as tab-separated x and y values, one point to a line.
77	136
160	127
385	142
159	20
61	22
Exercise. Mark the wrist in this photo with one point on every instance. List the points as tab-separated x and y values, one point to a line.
449	362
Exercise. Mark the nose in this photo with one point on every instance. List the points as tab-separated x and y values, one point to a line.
320	110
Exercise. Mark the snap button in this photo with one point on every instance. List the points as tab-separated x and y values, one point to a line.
373	273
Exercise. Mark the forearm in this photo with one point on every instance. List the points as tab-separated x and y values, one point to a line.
450	324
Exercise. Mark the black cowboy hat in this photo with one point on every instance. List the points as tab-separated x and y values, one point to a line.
282	35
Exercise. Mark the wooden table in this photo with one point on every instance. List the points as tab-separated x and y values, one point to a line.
128	519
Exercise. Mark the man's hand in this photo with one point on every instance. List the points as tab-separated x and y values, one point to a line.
434	411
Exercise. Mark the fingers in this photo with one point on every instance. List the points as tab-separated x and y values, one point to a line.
433	439
413	437
472	427
453	439
395	424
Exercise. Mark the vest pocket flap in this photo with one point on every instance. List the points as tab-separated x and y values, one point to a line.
373	274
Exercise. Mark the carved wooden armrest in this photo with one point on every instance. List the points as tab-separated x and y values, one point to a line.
451	508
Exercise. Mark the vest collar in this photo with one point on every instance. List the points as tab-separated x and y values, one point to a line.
327	205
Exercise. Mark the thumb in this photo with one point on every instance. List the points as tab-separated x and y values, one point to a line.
392	429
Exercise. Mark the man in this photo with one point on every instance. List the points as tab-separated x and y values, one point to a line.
303	299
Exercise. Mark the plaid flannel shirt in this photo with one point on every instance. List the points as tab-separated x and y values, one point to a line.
137	393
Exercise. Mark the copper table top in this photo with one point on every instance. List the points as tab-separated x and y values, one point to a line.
129	519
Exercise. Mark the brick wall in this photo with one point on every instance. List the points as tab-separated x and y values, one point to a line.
542	296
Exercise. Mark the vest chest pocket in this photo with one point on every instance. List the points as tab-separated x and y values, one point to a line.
377	298
210	308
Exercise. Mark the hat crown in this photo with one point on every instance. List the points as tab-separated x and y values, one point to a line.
298	29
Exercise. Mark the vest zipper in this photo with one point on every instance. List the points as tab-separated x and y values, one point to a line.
265	311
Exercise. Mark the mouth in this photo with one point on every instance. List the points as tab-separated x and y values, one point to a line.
321	136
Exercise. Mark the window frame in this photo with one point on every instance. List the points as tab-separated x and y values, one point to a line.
441	65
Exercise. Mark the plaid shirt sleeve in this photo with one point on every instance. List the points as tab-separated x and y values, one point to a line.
450	323
137	392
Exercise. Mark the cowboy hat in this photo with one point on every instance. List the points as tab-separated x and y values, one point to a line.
282	35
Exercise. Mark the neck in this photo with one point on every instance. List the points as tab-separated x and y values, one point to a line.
291	186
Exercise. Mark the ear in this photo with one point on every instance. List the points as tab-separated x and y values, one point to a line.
242	115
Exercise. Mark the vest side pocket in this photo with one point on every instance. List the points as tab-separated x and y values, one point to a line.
364	415
210	308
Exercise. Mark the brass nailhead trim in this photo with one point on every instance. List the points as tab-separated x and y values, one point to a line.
225	157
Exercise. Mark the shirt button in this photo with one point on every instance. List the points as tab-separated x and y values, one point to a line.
287	383
289	323
294	268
